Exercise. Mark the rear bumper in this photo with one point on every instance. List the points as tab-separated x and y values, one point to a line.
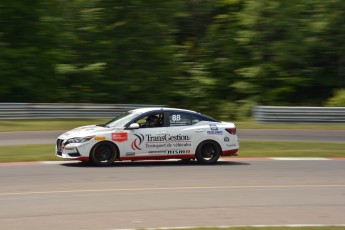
232	152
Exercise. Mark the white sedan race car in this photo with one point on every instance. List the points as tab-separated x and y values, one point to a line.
151	134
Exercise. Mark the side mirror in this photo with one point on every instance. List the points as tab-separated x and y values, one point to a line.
134	126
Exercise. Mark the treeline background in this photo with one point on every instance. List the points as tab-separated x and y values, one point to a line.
216	56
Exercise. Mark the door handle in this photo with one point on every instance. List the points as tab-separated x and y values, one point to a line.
199	131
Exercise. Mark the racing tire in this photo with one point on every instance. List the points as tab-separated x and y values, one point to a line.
208	152
103	154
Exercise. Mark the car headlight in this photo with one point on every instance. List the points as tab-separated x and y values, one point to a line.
79	139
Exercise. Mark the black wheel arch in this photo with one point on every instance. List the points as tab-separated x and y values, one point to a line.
109	143
210	140
198	151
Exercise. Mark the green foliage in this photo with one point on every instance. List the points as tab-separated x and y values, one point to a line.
218	56
338	99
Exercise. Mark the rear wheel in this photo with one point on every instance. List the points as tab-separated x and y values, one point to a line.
208	152
103	155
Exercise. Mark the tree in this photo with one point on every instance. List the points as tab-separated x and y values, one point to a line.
138	43
222	56
26	58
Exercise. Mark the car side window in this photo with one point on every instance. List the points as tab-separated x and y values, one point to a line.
152	120
182	119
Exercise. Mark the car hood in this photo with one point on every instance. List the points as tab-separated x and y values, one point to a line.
84	131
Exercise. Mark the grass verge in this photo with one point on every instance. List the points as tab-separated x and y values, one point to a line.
66	124
248	149
291	149
27	153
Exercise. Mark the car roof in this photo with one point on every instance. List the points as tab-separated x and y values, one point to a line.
148	109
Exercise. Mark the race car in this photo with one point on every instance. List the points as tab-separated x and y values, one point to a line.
151	134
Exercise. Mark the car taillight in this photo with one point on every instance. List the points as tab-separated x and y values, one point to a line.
231	131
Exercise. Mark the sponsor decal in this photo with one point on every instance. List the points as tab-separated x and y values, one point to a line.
137	142
158	152
232	145
214	132
226	139
69	148
167	137
130	153
119	136
157	146
178	151
213	127
157	142
176	145
176	120
100	138
176	117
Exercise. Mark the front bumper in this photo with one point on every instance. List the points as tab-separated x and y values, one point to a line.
67	150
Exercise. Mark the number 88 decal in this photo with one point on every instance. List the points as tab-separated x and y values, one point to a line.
175	118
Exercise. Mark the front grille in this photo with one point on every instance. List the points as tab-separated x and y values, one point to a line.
59	145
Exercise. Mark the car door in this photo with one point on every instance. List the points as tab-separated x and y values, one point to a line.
149	139
182	133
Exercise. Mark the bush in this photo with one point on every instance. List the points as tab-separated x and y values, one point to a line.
338	99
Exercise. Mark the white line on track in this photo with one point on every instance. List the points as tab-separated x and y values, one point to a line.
177	188
300	158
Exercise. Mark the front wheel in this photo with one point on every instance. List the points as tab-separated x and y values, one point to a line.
208	152
103	155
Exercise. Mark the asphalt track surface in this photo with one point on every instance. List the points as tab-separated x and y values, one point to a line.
49	137
172	194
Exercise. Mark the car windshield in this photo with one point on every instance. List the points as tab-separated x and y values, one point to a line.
122	120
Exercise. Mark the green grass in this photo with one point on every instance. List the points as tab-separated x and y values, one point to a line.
291	149
27	153
248	149
66	124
